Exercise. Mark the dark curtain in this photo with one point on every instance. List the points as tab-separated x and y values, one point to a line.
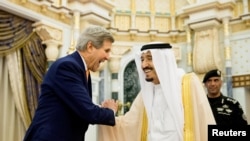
17	33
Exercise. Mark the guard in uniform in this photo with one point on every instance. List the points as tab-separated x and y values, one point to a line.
227	111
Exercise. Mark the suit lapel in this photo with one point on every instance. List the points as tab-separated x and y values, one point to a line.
79	60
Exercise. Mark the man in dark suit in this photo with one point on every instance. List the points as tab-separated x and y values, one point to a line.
65	107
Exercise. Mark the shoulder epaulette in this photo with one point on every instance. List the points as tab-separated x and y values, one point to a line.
231	100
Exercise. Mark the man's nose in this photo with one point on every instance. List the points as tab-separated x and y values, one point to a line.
213	82
107	56
144	64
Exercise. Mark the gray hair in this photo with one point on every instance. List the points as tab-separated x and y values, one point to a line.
94	34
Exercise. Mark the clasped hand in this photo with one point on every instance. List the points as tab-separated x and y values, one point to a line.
111	104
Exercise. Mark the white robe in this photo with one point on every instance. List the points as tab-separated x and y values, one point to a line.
197	111
161	122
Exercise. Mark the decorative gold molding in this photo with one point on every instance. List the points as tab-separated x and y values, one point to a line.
23	1
227	53
189	58
247	22
209	5
47	32
46	8
172	7
201	25
188	34
51	37
72	46
116	54
152	6
133	10
114	63
120	50
173	35
177	53
132	34
226	26
152	34
241	81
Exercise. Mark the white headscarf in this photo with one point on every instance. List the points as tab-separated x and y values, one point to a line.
170	80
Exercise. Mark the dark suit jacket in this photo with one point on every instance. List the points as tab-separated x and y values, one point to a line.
65	107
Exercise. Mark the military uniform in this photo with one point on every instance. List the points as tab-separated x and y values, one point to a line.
227	111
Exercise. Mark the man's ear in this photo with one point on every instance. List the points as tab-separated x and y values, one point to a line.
89	46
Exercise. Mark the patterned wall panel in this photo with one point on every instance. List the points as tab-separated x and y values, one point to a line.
241	56
143	23
162	24
122	22
179	24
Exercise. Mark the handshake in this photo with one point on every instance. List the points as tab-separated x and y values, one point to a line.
111	104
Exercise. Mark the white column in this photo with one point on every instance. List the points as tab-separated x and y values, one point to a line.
51	50
114	66
228	61
75	31
64	3
245	6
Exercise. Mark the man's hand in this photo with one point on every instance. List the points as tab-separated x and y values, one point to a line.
111	104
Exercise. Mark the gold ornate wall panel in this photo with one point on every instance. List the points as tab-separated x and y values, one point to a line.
127	38
186	24
241	81
177	53
238	8
159	10
241	56
206	52
248	5
143	23
47	8
180	23
239	27
122	22
162	24
147	20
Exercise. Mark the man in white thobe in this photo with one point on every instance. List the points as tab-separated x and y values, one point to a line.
172	106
